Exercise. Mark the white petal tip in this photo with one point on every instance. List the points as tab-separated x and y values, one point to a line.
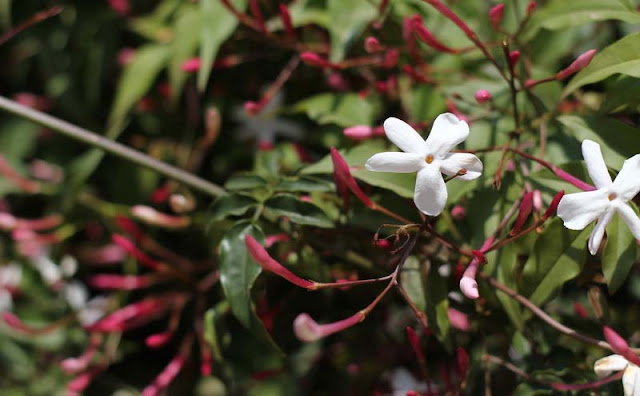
469	287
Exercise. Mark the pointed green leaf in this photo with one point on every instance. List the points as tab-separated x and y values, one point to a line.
348	19
231	205
412	283
505	265
620	253
218	24
438	306
297	211
622	57
186	38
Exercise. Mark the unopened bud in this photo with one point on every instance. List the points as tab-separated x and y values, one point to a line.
391	58
526	206
372	44
469	287
495	16
158	340
620	346
428	38
462	358
580	63
313	59
252	108
553	206
342	175
459	320
308	330
514	57
531	7
414	341
358	132
153	217
482	96
191	65
285	16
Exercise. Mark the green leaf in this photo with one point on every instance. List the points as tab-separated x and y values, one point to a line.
238	271
231	205
218	24
623	57
620	253
618	140
504	264
344	110
136	80
297	211
211	335
244	182
402	184
5	14
348	19
186	38
438	306
557	257
562	14
304	184
411	281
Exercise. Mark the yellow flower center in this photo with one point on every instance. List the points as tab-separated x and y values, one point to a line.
612	196
429	159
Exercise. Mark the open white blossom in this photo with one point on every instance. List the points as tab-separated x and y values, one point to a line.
580	209
430	158
631	378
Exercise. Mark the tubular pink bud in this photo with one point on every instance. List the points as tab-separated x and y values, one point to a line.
620	346
482	96
428	38
152	217
120	7
469	287
342	174
495	16
120	282
191	65
580	63
573	180
414	341
358	132
251	108
462	358
313	59
158	340
131	228
372	44
526	206
45	171
254	6
7	221
271	239
531	7
131	249
537	200
308	330
459	320
14	322
167	375
391	58
260	256
553	206
285	16
514	57
133	315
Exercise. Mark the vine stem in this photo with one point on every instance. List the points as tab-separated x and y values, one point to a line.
110	146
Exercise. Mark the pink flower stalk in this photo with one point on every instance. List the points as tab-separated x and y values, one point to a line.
495	16
343	177
133	315
428	38
285	16
167	376
580	63
43	223
462	359
120	7
45	171
414	341
260	256
24	184
459	320
573	180
254	6
308	330
121	282
191	65
75	365
580	310
313	59
131	249
372	44
526	206
271	239
131	228
514	57
159	339
482	96
553	206
153	217
81	382
358	132
103	255
11	320
620	346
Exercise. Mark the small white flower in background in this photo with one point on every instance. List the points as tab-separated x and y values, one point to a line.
49	271
10	277
430	158
631	378
580	209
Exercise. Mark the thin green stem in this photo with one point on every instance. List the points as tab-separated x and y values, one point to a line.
110	146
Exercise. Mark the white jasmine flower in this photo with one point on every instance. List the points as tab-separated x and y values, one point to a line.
10	277
430	158
631	378
580	209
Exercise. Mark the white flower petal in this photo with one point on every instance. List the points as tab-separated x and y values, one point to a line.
595	164
631	218
431	192
580	209
608	364
627	183
447	132
395	162
404	136
598	231
631	381
6	301
453	162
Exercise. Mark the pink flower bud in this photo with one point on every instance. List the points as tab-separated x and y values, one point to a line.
483	96
495	16
125	56
191	65
285	16
337	81
271	239
372	44
553	206
459	320
428	38
531	7
313	59
414	341
36	102
580	63
514	57
462	358
342	175
158	340
264	145
120	7
620	346
260	256
132	249
573	180
307	330
167	375
120	282
358	132
458	212
45	171
153	217
469	287
251	108
537	200
526	206
7	221
391	58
